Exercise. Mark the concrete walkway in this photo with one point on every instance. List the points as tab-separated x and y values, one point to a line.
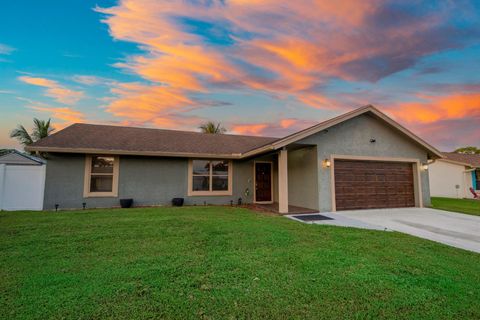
338	221
454	229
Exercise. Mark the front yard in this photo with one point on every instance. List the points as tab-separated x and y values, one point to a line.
467	206
222	263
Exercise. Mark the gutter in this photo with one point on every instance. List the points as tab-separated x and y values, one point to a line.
136	153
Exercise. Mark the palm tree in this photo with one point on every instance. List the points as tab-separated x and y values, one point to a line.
22	135
212	127
41	129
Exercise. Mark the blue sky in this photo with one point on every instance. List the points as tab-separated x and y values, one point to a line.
260	67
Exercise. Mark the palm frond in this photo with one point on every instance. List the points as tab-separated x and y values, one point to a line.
22	135
212	128
41	129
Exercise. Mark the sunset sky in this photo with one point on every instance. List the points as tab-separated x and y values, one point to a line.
267	67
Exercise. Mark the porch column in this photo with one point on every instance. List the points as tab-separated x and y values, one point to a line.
283	181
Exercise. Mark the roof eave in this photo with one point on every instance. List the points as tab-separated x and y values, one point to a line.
134	153
466	164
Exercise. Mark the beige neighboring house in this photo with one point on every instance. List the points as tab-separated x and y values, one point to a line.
454	175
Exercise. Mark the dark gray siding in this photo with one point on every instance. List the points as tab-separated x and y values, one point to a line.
148	180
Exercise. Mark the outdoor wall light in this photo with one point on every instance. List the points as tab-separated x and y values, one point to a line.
425	166
326	163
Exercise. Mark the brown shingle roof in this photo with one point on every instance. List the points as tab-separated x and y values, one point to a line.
130	140
470	159
89	138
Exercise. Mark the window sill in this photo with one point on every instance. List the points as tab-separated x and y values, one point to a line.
100	195
209	193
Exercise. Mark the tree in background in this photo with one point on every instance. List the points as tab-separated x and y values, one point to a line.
212	127
468	150
41	129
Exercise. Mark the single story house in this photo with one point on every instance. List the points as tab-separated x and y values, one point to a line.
453	175
361	159
22	181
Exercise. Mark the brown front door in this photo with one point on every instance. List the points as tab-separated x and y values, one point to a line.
373	184
263	181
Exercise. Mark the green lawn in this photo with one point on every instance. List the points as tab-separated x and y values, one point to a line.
457	205
223	263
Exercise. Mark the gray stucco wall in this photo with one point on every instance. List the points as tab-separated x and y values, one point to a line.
303	178
352	137
148	180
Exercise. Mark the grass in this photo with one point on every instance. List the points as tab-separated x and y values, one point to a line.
467	206
223	263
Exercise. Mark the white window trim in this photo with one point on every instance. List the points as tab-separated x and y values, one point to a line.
88	173
212	192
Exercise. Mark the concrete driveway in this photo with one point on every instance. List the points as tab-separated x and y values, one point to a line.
454	229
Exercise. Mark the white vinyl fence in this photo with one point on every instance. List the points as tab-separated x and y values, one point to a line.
21	187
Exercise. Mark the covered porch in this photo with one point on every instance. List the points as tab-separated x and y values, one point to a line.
286	181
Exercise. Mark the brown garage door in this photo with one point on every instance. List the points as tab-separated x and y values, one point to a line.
373	184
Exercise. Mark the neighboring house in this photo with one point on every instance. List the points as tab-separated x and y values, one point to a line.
453	175
16	158
361	159
22	181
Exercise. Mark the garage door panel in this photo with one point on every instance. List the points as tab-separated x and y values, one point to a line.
373	184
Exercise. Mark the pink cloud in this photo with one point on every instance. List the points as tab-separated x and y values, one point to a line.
256	129
448	121
54	89
294	48
279	128
437	108
66	114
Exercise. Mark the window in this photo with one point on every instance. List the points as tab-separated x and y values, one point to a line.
210	177
101	176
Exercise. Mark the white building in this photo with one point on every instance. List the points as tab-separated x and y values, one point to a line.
22	181
454	175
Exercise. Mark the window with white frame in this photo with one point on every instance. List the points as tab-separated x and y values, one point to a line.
210	177
101	176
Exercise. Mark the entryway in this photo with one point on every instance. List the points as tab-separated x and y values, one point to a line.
263	182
